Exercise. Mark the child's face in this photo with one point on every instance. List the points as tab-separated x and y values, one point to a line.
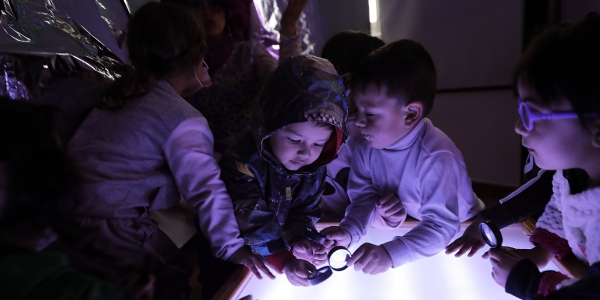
380	119
555	144
211	15
299	144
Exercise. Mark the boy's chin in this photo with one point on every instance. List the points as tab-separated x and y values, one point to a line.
292	167
377	145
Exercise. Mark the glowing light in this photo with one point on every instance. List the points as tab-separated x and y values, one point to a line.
373	11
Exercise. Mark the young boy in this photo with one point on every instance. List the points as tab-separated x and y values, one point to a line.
275	173
345	50
402	155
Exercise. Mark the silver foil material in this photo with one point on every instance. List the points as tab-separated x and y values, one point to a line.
89	35
46	29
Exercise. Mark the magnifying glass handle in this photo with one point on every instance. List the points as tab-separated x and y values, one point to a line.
315	236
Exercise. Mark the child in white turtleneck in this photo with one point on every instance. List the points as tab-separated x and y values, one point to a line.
402	156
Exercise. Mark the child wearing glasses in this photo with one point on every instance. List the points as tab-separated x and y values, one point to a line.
402	155
275	172
557	79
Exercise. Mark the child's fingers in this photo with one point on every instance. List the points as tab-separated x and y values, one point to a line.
260	267
355	256
383	200
395	208
454	245
255	271
335	235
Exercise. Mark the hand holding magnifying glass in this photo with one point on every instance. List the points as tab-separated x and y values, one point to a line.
491	234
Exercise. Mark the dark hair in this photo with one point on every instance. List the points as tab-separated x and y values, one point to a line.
163	38
346	49
404	68
237	14
563	62
42	181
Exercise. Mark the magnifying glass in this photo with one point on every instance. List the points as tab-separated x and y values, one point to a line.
337	259
491	234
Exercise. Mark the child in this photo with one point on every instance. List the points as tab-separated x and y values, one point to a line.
38	187
275	173
402	155
345	50
557	79
143	147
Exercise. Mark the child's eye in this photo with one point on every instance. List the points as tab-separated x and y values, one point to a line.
293	141
319	145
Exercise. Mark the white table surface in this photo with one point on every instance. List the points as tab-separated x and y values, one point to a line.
439	277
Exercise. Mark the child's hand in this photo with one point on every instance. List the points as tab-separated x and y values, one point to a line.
336	236
537	254
252	261
297	271
503	261
311	251
390	208
471	240
371	259
290	16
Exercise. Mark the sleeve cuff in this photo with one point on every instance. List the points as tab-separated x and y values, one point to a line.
522	281
399	252
551	242
278	260
549	281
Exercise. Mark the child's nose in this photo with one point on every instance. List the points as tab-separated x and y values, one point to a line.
304	150
359	121
519	128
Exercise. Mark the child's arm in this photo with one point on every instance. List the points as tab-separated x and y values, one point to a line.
188	152
256	217
362	194
300	222
527	200
438	180
390	212
521	277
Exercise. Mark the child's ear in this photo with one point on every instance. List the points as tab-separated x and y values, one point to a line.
414	112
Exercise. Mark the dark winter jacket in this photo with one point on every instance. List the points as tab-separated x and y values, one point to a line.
274	206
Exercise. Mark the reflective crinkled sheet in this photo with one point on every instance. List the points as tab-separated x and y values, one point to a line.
76	33
90	35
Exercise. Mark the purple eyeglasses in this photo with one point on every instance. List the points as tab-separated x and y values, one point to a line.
528	117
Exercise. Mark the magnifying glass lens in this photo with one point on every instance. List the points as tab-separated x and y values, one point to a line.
491	234
319	275
337	258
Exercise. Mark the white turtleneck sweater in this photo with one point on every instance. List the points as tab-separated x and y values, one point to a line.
427	173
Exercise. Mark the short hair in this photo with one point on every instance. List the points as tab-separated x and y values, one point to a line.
404	68
237	14
162	38
563	62
346	49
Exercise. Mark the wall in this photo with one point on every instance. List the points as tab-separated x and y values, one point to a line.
474	45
